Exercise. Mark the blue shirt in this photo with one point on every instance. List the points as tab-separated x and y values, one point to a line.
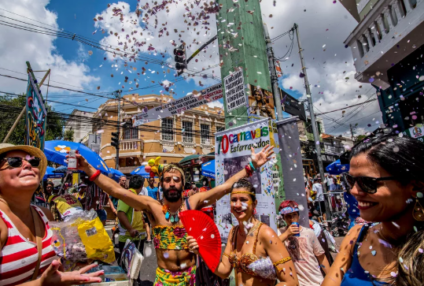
152	192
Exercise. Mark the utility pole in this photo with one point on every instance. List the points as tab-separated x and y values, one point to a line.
352	131
118	95
273	73
314	124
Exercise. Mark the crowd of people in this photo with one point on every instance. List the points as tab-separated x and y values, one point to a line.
384	187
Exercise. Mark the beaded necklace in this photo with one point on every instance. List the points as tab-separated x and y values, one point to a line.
173	217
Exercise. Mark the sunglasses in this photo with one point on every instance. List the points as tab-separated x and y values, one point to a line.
16	162
175	179
368	185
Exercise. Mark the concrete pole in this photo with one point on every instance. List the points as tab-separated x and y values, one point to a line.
273	73
314	124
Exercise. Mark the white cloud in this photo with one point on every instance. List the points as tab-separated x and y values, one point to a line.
19	46
215	104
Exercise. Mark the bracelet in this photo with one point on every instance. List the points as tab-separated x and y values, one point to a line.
94	176
282	261
248	170
251	166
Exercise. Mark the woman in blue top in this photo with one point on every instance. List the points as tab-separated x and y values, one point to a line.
386	177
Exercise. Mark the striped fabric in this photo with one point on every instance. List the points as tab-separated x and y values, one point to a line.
19	256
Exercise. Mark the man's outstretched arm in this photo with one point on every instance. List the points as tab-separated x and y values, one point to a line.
114	189
203	199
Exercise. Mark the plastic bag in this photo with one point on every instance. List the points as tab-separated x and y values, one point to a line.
82	237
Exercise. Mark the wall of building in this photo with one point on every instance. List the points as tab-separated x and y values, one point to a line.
149	140
81	128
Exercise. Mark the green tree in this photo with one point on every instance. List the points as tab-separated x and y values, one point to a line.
359	138
11	106
69	135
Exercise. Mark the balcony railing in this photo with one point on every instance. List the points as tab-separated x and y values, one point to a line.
388	25
131	145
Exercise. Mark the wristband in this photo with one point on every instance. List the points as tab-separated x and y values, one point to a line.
94	176
251	166
248	170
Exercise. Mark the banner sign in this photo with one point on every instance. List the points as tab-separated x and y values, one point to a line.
178	106
234	91
36	115
292	106
416	132
261	103
233	152
291	161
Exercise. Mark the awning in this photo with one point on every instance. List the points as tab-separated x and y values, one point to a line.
194	159
336	168
141	171
51	174
208	169
115	174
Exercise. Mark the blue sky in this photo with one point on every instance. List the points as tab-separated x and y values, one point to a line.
323	26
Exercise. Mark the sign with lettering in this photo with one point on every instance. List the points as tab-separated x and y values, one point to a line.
178	106
234	91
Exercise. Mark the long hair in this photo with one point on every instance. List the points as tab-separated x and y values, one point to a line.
402	157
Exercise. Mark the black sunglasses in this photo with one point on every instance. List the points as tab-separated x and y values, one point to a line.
366	184
16	162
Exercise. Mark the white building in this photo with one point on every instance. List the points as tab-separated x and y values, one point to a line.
387	32
80	123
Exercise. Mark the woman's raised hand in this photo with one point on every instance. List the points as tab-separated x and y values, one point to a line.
53	275
262	157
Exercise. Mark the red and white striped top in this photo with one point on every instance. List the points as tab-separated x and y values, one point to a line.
19	256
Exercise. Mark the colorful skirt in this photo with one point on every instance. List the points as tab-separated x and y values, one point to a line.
165	277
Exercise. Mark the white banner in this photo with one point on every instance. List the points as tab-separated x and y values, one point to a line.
235	93
233	151
178	106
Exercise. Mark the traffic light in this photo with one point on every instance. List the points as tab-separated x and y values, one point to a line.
180	59
115	140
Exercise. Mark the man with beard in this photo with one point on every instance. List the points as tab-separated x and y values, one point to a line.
176	263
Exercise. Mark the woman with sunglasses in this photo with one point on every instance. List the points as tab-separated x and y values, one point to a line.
386	178
26	255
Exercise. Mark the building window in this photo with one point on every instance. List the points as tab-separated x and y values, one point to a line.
168	129
130	133
413	3
187	131
378	30
360	48
373	42
393	15
220	128
385	23
402	8
204	132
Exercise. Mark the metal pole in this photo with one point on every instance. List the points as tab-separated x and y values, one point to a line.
314	124
274	78
118	94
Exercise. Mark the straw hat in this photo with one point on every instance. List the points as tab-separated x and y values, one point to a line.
6	147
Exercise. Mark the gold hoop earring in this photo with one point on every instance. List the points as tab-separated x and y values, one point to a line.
418	211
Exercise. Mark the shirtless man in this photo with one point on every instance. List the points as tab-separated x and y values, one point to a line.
176	264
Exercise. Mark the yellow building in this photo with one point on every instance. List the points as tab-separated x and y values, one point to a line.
172	138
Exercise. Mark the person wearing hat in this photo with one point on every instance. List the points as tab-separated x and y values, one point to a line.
304	248
26	252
